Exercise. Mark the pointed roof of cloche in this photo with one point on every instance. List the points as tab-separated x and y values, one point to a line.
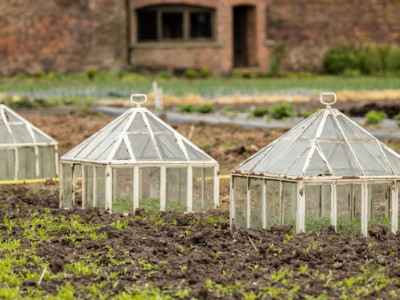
137	136
15	131
327	144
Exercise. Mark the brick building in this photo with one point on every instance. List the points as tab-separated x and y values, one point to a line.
220	35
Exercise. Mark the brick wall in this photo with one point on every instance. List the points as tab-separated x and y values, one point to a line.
61	35
309	27
71	35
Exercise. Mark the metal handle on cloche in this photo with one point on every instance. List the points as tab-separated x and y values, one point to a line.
138	103
328	104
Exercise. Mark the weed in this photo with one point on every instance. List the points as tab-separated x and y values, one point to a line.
187	108
204	73
281	111
206	108
191	74
303	269
375	117
259	112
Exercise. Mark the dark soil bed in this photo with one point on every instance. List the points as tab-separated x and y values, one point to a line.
91	254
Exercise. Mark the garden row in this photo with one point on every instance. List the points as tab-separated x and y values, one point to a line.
278	111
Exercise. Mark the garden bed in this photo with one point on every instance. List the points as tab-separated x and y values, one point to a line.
91	254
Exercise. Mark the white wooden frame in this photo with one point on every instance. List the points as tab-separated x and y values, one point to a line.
4	111
326	179
78	156
301	197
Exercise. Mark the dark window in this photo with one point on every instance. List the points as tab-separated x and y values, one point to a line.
147	26
200	25
172	25
175	23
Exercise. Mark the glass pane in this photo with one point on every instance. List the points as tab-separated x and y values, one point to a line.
147	25
303	128
348	208
273	155
77	185
7	169
40	137
311	131
297	167
101	140
143	147
394	161
318	207
370	158
5	136
47	162
89	144
317	166
288	157
339	158
26	163
88	182
100	148
351	131
200	25
156	126
289	203
194	154
104	156
149	194
67	185
209	188
20	132
273	203
138	125
122	190
176	189
198	189
169	148
240	199
100	187
122	152
379	209
256	190
172	25
330	130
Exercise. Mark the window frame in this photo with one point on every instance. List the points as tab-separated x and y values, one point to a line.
186	12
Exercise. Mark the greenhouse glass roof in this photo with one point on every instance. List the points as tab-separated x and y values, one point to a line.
327	144
15	131
137	136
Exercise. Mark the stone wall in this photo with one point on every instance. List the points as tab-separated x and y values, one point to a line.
62	35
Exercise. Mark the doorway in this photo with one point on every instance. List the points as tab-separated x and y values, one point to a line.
243	36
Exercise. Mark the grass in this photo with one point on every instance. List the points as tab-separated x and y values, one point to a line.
111	85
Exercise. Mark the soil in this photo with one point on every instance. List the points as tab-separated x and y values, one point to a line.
185	250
